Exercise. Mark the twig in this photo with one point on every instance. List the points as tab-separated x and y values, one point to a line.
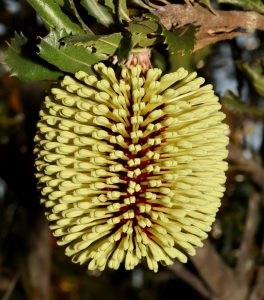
258	290
250	166
187	276
243	265
211	27
262	251
218	276
11	287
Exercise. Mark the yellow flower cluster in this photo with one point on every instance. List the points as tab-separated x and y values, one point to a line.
131	166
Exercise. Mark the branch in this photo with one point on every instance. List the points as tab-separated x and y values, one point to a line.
36	266
11	287
191	279
250	166
258	290
213	269
212	27
243	262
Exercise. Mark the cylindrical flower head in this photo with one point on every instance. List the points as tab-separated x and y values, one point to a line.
131	167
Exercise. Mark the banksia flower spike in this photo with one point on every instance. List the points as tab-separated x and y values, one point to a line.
131	166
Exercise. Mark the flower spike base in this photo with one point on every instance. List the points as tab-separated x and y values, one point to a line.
131	167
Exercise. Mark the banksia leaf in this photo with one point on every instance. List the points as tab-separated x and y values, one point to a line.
103	44
180	41
131	166
123	12
255	74
24	66
98	11
68	58
235	104
53	16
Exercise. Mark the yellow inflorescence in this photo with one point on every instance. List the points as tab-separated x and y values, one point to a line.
130	167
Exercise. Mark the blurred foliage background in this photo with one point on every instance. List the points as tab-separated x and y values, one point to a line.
32	266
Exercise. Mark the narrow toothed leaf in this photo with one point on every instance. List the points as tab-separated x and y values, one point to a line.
123	13
146	27
98	11
25	64
68	58
53	16
124	48
78	17
142	40
142	4
144	33
130	165
107	44
180	41
110	4
234	103
255	74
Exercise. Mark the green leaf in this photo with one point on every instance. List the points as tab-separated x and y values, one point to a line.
152	17
68	58
234	103
76	13
110	4
142	40
25	67
147	27
107	44
124	48
60	2
141	3
98	11
180	41
256	5
123	13
150	2
255	75
207	3
144	33
53	16
159	60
